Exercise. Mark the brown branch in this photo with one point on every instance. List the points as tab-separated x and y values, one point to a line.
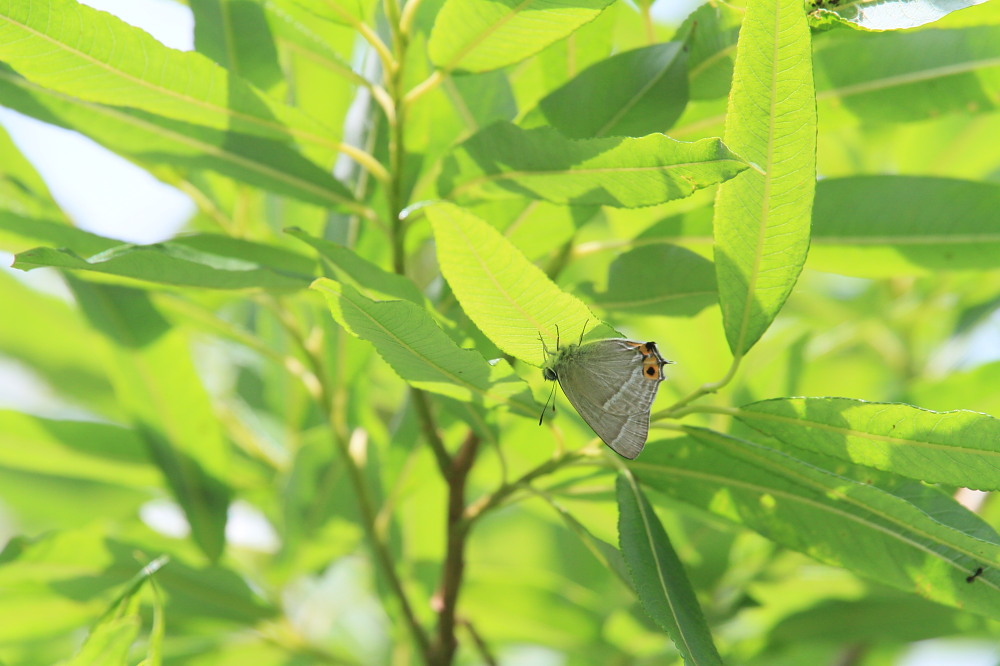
446	598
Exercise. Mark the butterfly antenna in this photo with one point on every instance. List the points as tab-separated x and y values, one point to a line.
583	330
546	405
557	337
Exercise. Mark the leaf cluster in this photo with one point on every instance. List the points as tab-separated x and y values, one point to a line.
305	428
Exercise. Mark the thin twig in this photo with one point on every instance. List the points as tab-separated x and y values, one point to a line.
477	640
704	389
494	499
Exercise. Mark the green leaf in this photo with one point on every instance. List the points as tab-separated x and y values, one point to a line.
75	449
608	555
405	335
884	14
347	12
837	621
59	581
510	299
18	233
160	390
363	275
657	280
480	36
829	517
713	31
957	448
503	160
640	91
22	190
895	77
44	324
110	640
211	262
154	653
153	140
236	34
94	56
762	217
877	226
658	575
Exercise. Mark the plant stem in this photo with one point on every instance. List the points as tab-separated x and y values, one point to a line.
333	403
494	499
480	644
674	410
430	432
446	598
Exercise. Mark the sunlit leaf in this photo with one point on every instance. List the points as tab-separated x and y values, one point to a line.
413	345
640	91
874	226
509	298
158	387
480	36
958	448
504	160
829	517
659	577
762	217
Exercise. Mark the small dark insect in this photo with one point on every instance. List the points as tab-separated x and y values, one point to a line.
975	574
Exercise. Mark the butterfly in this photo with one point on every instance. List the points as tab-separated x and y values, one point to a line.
612	384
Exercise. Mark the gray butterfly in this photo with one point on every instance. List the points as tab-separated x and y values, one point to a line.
612	384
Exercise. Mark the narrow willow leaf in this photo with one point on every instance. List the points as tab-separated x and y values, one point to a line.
236	35
372	281
406	336
22	190
642	91
713	30
958	448
345	12
829	517
605	553
317	58
75	449
74	570
510	299
658	576
503	160
111	638
762	218
214	262
675	281
19	233
481	36
75	372
894	77
154	653
153	140
883	14
94	56
899	227
160	390
839	621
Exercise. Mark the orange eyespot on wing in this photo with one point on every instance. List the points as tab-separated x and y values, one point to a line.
652	362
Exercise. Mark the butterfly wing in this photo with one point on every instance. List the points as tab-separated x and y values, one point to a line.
612	384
